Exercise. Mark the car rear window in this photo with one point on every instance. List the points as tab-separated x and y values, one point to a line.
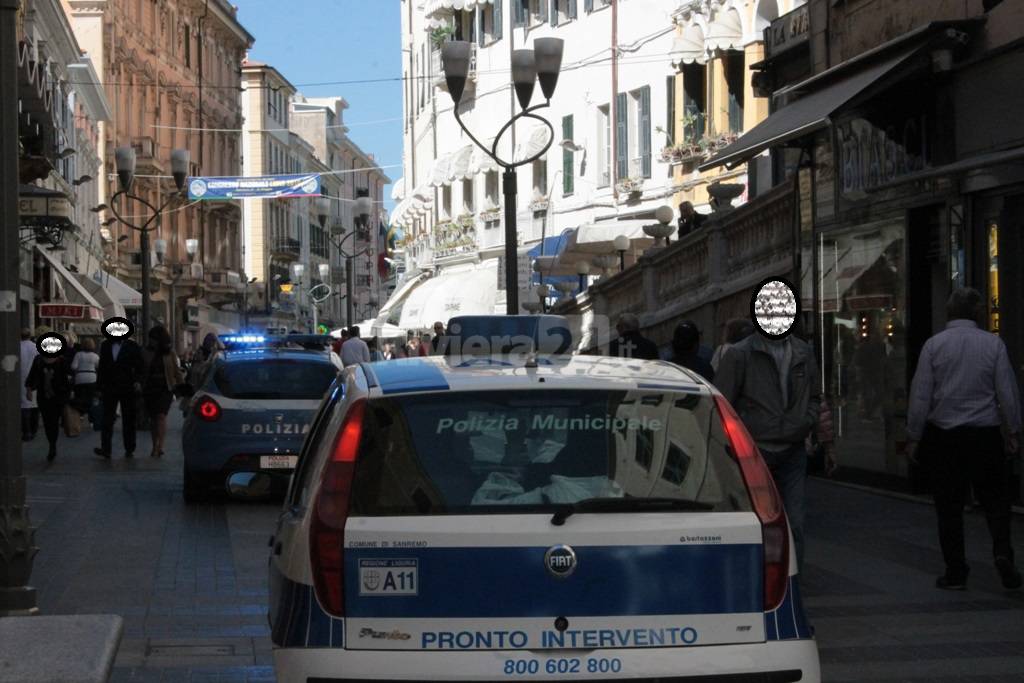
274	379
477	452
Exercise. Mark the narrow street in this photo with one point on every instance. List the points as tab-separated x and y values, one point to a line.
190	582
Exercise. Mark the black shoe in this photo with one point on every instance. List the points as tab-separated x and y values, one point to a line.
947	583
1008	573
129	454
102	453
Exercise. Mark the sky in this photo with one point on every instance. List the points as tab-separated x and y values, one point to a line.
327	41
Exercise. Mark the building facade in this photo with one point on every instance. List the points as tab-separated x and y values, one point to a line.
285	132
170	69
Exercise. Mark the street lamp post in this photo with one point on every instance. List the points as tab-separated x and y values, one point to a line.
621	244
364	205
245	302
298	269
583	269
125	160
541	64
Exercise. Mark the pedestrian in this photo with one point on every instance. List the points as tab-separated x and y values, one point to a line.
83	369
29	406
686	350
354	350
412	347
964	419
49	382
119	376
161	377
772	383
630	343
436	346
820	443
375	355
201	359
736	330
689	220
423	348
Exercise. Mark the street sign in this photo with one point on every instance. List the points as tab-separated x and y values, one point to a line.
70	312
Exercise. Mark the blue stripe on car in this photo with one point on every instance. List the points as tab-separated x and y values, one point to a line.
409	374
461	582
788	621
298	620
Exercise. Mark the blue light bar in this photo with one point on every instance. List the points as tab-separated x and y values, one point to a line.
243	339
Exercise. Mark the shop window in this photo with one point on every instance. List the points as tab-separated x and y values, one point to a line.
862	309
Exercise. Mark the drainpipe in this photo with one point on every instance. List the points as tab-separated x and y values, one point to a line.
613	111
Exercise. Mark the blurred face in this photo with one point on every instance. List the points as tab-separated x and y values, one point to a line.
438	329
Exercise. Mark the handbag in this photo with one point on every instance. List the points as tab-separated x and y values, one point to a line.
72	421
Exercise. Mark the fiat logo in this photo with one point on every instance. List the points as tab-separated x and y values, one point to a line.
560	561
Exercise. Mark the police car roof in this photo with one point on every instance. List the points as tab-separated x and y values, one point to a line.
276	352
487	373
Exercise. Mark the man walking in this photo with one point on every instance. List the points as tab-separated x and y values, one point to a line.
772	383
119	376
630	343
962	393
354	350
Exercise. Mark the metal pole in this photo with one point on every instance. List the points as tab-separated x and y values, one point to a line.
144	245
511	243
17	537
172	315
313	305
348	291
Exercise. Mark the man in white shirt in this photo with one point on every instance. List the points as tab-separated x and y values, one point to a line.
355	349
29	409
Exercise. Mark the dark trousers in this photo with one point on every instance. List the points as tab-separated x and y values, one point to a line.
958	457
85	394
51	412
789	470
110	403
29	422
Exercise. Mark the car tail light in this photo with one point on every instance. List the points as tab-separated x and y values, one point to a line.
330	512
208	409
767	504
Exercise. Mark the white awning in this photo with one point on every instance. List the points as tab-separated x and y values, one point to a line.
688	47
398	189
399	294
725	31
120	292
73	290
534	143
459	167
468	290
112	307
439	171
482	161
433	7
598	239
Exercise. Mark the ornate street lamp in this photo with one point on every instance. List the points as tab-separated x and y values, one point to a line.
363	209
621	244
583	269
662	229
124	158
539	65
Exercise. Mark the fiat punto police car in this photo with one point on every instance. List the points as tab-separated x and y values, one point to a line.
252	409
533	517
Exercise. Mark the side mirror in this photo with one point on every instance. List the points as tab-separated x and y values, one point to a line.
251	486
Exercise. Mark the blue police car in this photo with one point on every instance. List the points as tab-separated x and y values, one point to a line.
252	408
532	517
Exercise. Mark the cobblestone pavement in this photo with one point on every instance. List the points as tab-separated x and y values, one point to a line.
190	581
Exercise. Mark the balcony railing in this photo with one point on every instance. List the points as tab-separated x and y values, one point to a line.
286	247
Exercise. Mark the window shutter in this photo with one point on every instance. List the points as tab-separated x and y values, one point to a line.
518	13
622	137
572	9
554	13
670	110
567	157
498	18
645	130
588	5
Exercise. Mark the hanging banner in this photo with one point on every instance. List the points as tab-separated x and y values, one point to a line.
257	187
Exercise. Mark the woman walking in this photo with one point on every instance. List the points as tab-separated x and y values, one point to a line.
50	381
83	369
161	374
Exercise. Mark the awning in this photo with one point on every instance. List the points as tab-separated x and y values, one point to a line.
725	31
598	239
439	171
122	293
804	116
459	166
398	189
111	306
534	143
468	290
74	291
437	6
482	162
688	47
400	294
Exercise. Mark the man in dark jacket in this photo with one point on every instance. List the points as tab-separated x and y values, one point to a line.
632	344
688	352
773	385
119	376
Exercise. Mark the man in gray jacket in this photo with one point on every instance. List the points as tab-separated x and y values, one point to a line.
773	385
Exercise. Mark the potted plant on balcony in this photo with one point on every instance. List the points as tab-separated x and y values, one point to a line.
467	220
630	185
440	35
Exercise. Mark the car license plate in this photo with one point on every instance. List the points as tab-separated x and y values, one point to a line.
278	462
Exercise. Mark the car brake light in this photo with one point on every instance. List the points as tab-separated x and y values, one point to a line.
208	409
767	504
330	512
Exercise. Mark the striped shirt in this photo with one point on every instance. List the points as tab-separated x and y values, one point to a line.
963	378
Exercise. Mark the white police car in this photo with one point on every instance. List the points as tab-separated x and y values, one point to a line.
253	408
507	518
